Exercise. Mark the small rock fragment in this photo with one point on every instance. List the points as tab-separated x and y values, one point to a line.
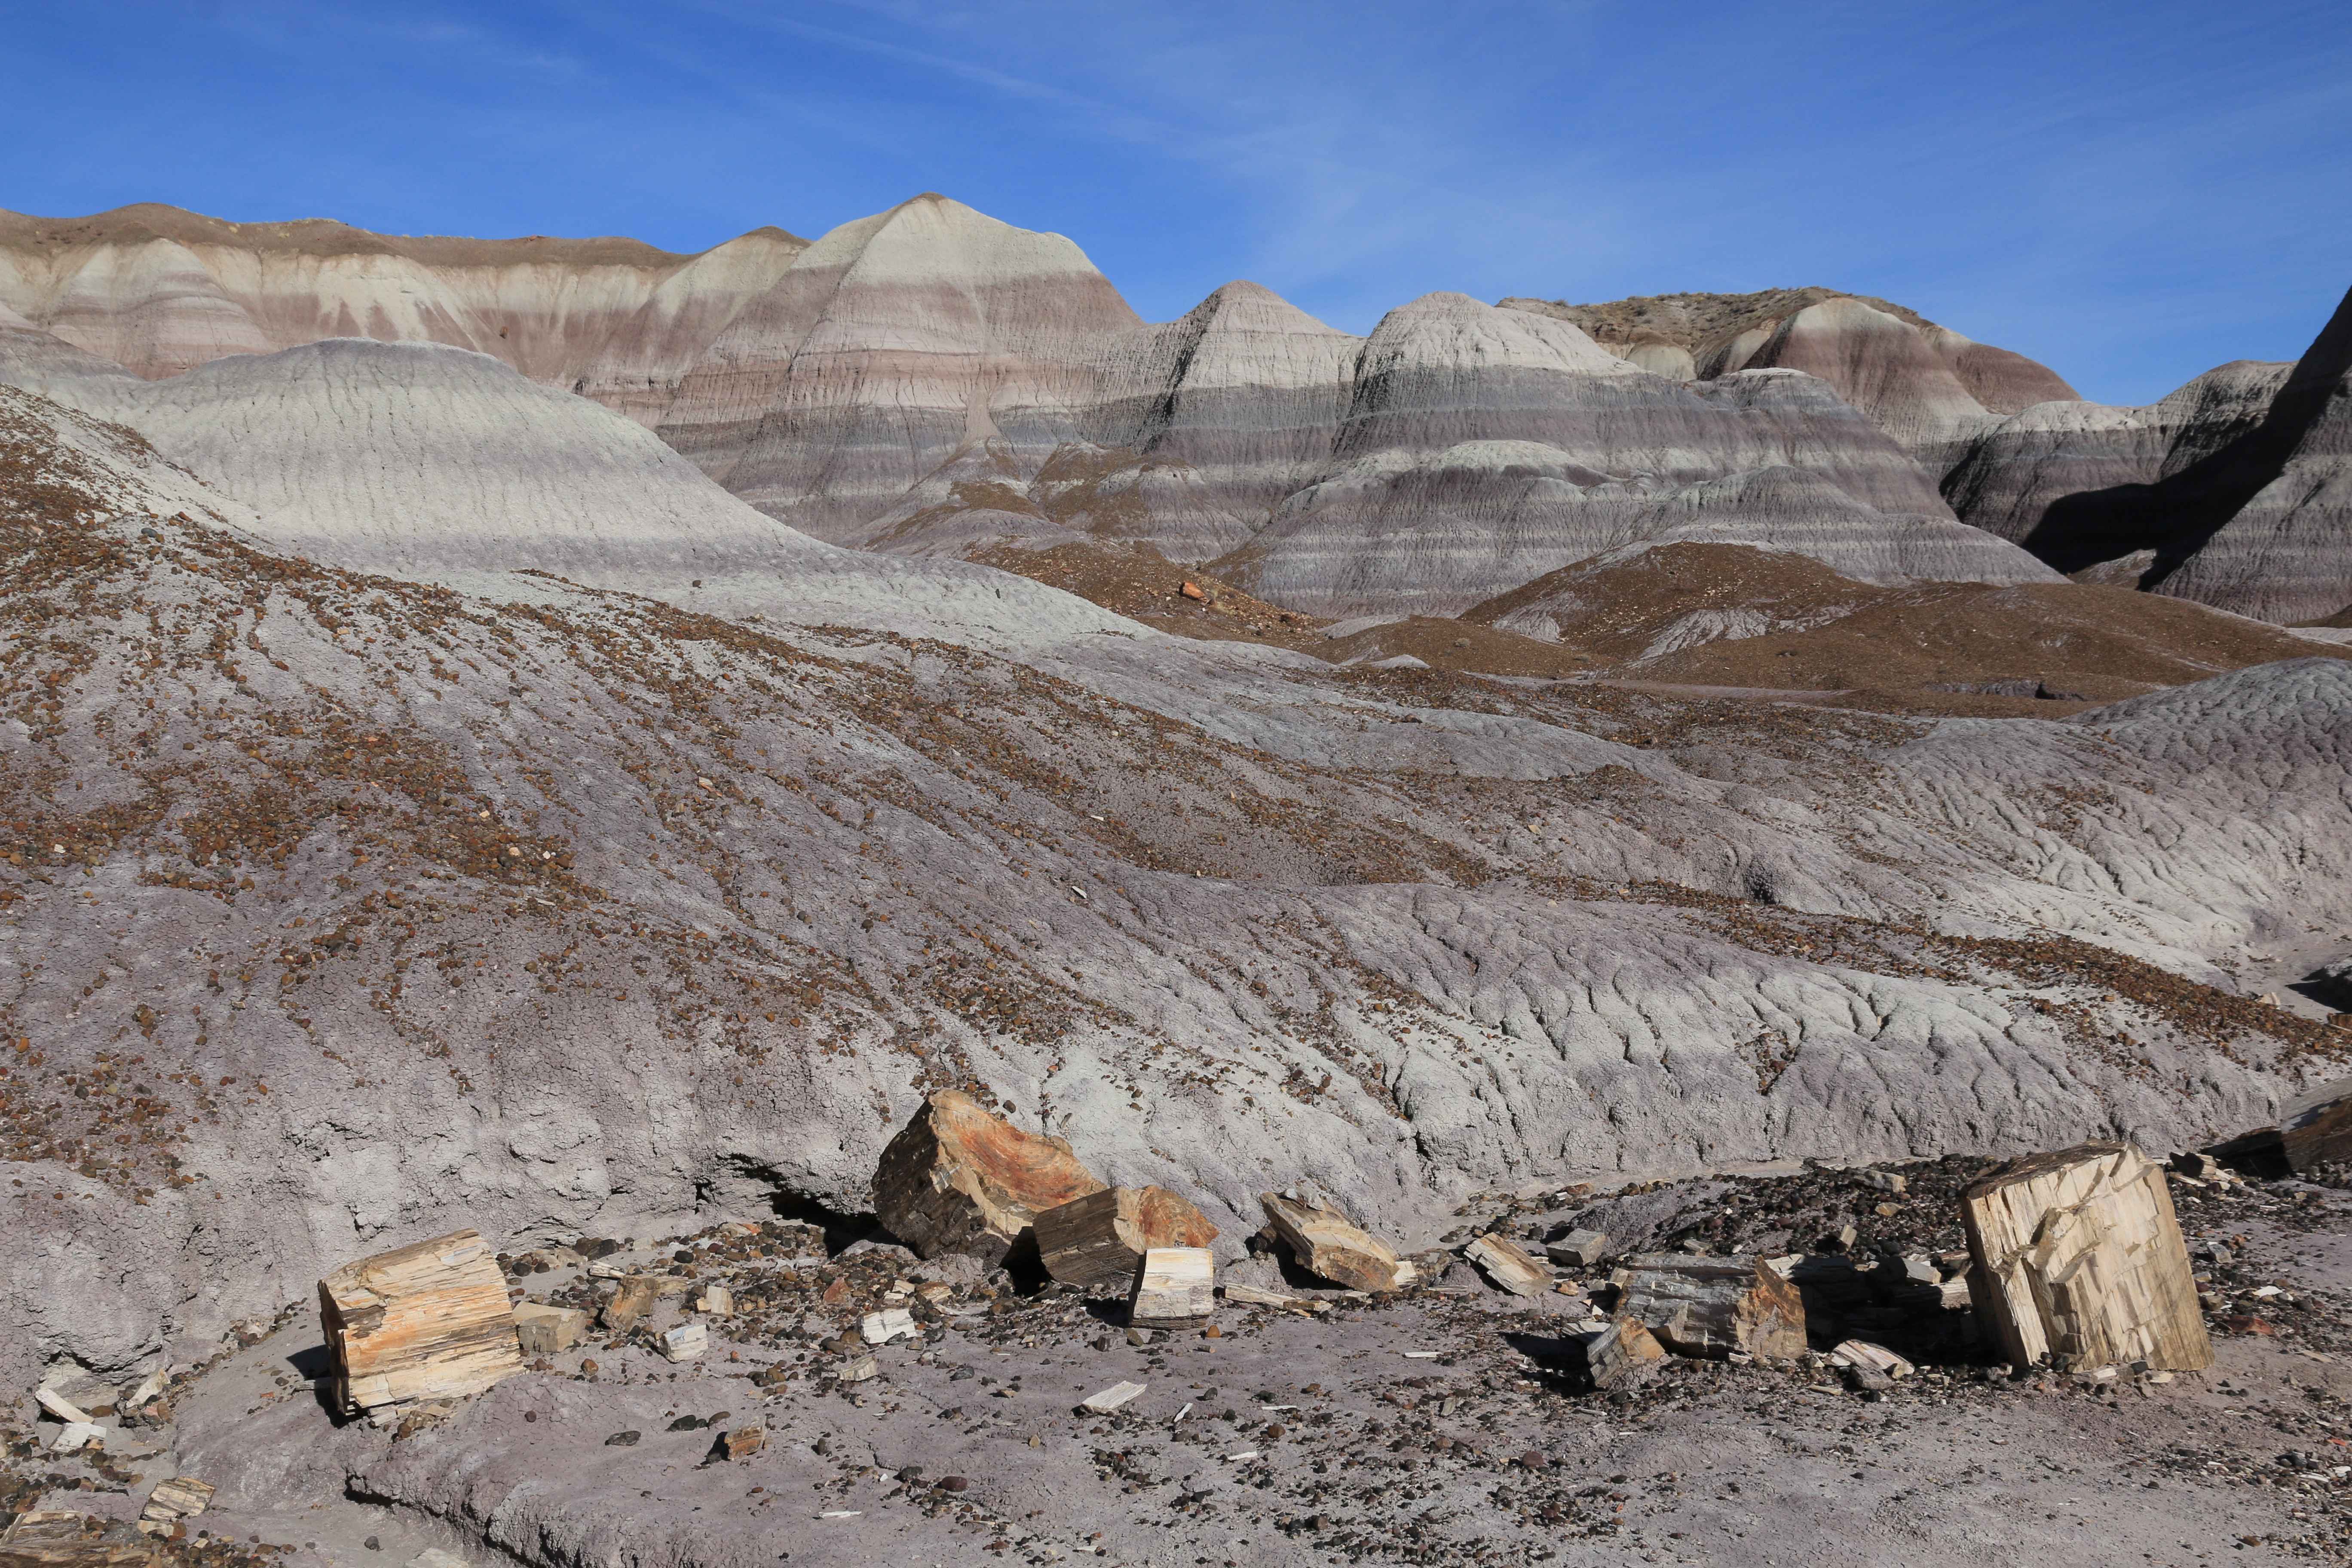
1111	1398
687	1342
890	1323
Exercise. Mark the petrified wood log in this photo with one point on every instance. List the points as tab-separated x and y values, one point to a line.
427	1322
1100	1239
54	1537
1508	1266
956	1179
1175	1288
1328	1243
1714	1305
2082	1262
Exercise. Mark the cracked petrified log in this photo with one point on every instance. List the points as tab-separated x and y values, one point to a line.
958	1180
1100	1239
2315	1128
2082	1263
1326	1242
55	1538
1621	1354
427	1322
1714	1305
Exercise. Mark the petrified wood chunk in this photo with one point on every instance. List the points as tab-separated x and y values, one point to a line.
1328	1243
427	1322
1175	1288
956	1179
1507	1266
1714	1305
543	1330
2082	1262
1620	1354
54	1537
1100	1239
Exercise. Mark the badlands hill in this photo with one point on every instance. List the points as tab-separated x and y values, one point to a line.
922	380
2235	490
1925	385
844	387
338	909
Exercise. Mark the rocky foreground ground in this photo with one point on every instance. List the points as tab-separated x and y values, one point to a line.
1443	1423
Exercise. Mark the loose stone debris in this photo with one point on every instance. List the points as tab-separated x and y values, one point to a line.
1620	1354
958	1180
429	1321
687	1341
2084	1262
892	1323
1726	1288
1100	1238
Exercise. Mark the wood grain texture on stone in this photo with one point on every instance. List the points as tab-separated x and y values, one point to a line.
958	1179
1505	1263
57	1538
1622	1354
1175	1288
2082	1262
1713	1306
1101	1237
543	1330
1326	1242
429	1321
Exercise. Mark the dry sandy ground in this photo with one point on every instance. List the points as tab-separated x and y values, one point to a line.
1437	1427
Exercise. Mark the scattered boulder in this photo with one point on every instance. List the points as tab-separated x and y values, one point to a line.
427	1320
2082	1262
1100	1238
957	1179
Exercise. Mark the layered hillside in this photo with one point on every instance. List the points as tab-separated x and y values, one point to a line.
1927	386
338	910
159	290
2236	490
849	387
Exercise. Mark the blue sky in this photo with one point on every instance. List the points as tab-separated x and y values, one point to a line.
2130	192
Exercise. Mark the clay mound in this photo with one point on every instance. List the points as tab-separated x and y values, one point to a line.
1722	616
439	465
